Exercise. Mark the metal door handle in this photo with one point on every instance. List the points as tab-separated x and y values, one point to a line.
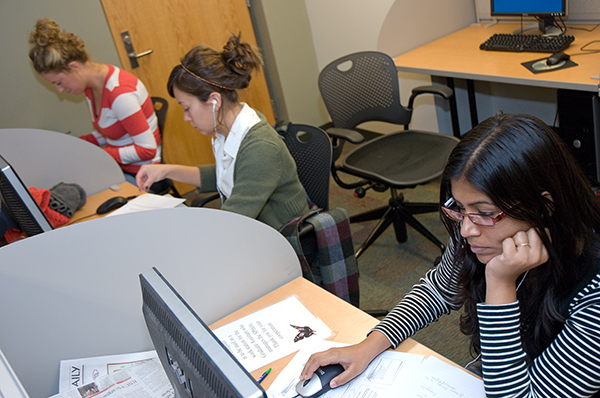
131	52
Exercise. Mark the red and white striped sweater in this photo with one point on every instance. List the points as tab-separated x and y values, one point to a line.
126	127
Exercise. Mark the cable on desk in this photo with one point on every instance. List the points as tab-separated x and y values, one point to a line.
585	51
586	30
83	218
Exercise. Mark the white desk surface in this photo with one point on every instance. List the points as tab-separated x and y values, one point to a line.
458	55
74	292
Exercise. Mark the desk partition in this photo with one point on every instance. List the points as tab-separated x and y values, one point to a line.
74	292
44	158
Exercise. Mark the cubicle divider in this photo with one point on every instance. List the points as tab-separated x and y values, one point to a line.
43	158
74	292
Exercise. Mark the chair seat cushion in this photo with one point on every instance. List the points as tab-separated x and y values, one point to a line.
402	159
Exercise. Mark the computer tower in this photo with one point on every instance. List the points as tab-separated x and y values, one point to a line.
579	127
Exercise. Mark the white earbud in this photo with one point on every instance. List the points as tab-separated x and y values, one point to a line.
214	102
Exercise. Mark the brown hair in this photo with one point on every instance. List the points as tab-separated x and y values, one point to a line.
54	49
204	70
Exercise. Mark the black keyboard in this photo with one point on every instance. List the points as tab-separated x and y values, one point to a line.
528	43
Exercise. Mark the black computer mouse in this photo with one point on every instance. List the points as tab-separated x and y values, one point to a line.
111	204
319	382
556	58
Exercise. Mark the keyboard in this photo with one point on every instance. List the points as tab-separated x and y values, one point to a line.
527	43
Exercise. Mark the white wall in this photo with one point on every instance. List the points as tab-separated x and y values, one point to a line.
27	99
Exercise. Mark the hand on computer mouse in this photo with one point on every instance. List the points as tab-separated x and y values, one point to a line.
320	381
556	58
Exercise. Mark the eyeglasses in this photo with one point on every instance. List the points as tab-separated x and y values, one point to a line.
483	220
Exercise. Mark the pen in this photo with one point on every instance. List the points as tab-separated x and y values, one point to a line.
262	377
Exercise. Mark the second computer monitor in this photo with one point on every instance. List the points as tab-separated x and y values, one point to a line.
545	11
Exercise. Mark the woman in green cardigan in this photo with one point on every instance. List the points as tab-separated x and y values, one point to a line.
254	173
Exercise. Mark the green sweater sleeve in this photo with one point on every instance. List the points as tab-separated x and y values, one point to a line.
208	178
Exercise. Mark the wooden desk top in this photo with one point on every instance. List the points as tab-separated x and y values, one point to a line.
458	55
88	211
349	323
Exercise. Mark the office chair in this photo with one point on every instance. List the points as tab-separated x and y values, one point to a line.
163	187
364	87
311	149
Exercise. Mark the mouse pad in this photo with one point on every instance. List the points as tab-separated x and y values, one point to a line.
539	65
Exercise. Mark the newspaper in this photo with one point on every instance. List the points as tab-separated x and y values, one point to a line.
144	380
77	372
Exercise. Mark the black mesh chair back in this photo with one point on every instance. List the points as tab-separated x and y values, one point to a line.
162	187
161	106
311	149
363	87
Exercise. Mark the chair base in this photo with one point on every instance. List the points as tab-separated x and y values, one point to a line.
399	213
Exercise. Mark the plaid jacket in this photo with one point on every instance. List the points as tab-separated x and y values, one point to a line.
326	254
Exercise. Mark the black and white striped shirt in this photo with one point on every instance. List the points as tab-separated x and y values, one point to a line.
569	367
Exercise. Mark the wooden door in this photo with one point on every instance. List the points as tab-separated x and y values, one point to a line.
170	29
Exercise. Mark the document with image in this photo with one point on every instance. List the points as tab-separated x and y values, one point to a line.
272	333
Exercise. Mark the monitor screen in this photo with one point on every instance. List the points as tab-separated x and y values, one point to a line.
18	209
195	360
529	7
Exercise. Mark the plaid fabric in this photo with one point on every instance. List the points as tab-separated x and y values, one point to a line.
327	255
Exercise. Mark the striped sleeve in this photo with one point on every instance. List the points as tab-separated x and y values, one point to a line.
139	121
425	303
569	367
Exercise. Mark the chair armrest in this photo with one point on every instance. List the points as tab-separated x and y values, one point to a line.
443	91
346	134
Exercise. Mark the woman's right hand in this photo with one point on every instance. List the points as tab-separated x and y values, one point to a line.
148	175
354	359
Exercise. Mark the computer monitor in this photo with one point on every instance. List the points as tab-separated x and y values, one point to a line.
18	209
195	360
545	11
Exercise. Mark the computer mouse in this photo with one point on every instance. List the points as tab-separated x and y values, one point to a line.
318	384
556	58
111	204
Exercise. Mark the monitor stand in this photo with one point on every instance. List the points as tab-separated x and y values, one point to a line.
545	25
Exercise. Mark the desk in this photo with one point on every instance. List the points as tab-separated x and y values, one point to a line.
349	324
458	56
88	211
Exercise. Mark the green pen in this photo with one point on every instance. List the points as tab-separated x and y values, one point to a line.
262	377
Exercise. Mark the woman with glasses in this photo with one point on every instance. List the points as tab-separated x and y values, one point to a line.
523	262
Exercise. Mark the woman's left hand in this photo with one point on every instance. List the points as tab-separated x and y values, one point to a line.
520	253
